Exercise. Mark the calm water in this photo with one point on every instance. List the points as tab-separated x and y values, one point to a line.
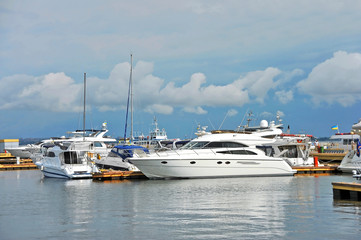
32	207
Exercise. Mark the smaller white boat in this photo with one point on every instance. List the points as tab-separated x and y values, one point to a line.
72	160
117	156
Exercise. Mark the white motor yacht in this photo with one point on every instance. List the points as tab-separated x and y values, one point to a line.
23	151
98	137
220	154
67	160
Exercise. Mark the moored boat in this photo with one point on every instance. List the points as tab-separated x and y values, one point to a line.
98	137
116	159
215	155
67	160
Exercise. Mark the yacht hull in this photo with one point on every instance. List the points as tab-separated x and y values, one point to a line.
115	163
20	152
66	171
211	167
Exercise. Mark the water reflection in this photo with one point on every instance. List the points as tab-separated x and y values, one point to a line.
233	208
348	207
201	209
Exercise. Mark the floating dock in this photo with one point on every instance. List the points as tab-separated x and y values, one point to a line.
346	191
316	170
118	175
22	166
8	164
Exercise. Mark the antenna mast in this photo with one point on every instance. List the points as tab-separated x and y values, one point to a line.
131	97
84	107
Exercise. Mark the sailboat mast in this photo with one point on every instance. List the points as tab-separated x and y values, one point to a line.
84	106
131	97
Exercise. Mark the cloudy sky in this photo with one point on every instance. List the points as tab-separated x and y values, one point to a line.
194	62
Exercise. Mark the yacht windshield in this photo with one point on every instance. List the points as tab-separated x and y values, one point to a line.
194	145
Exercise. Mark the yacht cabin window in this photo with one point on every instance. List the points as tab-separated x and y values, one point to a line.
71	158
238	152
51	154
225	145
349	141
113	153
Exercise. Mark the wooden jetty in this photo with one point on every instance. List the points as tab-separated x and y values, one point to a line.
346	191
7	164
118	175
22	166
316	170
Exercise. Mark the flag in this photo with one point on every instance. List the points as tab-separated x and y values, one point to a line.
358	147
334	127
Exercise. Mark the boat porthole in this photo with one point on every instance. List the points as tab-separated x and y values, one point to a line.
164	162
219	162
228	162
192	162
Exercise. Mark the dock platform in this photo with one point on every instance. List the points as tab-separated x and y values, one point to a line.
316	170
8	164
346	191
118	175
21	166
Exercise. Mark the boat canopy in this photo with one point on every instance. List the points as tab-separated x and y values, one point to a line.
131	147
127	151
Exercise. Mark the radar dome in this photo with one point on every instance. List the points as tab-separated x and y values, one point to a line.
264	124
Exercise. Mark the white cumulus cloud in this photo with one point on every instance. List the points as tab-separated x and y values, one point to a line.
196	110
232	112
259	83
336	80
52	92
284	96
59	92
